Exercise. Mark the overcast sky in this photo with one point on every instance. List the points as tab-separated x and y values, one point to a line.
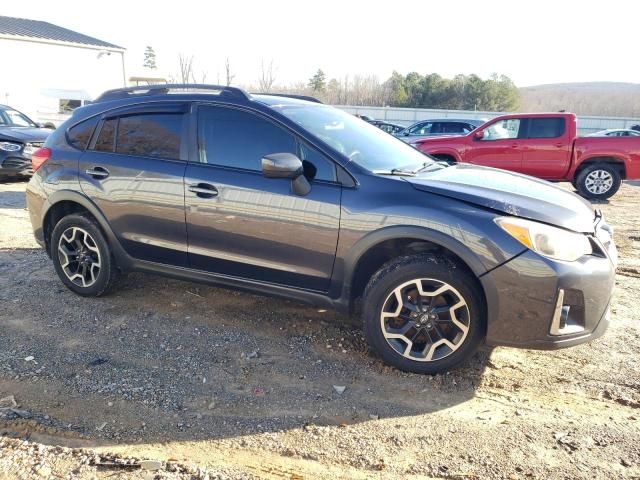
533	42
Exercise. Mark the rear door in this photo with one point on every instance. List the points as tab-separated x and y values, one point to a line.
546	148
243	224
500	147
134	170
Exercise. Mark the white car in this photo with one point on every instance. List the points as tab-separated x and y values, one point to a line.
619	132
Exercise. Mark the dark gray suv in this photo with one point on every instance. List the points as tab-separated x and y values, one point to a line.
289	197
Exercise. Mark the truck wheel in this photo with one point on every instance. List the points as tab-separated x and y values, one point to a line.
423	314
599	181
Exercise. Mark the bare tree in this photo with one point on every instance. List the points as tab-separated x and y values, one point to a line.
227	69
186	68
267	76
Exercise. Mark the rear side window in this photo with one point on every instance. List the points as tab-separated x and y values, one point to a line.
546	127
234	138
150	135
106	138
79	135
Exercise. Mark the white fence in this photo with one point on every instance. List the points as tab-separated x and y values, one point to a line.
407	116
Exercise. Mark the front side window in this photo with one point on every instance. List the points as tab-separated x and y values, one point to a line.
546	127
421	129
235	138
150	135
502	130
13	118
316	165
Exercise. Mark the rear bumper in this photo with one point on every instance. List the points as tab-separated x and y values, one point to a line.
530	296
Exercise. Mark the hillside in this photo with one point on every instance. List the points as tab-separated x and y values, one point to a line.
591	98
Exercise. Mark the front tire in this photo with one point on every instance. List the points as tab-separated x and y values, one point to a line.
82	257
423	313
598	181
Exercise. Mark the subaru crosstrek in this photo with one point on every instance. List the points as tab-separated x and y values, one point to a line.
285	196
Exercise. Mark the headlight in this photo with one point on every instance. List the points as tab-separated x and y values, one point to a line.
546	240
29	149
10	147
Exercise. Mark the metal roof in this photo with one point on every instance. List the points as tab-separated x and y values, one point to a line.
36	30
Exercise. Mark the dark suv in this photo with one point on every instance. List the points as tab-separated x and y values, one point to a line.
289	197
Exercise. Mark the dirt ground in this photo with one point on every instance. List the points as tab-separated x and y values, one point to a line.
219	384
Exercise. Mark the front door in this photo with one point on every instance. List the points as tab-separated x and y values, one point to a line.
499	147
134	171
242	224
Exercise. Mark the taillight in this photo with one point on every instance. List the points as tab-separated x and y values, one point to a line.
39	157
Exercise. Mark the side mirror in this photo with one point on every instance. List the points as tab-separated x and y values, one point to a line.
478	135
286	165
281	165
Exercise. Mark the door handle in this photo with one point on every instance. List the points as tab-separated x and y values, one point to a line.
204	190
515	145
97	172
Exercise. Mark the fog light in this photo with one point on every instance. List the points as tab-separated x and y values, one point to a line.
562	322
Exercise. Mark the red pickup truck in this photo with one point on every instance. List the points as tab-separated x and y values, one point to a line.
544	145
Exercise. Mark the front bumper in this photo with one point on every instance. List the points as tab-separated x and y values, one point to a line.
15	164
534	302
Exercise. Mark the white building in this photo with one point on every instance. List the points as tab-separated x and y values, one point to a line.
48	70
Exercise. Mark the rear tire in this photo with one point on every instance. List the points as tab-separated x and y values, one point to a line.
82	257
423	314
598	181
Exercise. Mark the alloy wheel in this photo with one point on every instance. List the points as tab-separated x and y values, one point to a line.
425	319
598	182
79	256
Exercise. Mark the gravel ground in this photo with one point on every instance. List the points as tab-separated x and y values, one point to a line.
207	383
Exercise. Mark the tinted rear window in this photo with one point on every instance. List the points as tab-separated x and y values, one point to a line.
546	127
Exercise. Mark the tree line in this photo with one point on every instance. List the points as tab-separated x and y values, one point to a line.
413	90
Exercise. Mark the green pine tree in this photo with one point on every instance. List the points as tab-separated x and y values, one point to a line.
149	59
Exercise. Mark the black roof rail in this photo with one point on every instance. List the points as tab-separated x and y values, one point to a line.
159	89
291	95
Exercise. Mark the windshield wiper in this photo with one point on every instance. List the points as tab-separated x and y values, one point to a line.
395	171
430	166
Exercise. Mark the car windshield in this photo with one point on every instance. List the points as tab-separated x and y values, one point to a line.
13	118
361	142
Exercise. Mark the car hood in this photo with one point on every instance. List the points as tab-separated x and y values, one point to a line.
24	134
510	193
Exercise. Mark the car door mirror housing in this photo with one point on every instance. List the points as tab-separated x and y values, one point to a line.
478	135
282	165
286	165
